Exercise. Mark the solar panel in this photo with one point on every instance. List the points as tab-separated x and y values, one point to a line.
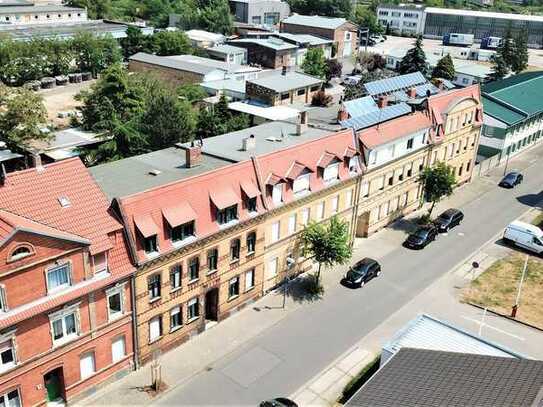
400	96
395	83
360	106
377	116
423	89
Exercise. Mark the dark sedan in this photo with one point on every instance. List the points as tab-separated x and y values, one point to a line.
448	220
421	237
362	272
278	402
511	180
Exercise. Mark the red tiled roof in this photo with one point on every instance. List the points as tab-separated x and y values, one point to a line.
36	193
145	224
223	196
250	189
297	169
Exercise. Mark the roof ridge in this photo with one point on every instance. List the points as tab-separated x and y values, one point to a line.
18	173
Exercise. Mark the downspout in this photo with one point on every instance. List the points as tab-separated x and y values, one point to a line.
135	337
357	189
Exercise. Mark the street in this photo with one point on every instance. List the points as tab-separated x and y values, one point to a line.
286	355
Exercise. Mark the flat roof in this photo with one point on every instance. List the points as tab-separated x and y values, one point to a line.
26	31
225	84
132	175
330	23
268	113
487	14
272	43
169	62
227	49
72	137
282	83
303	38
473	69
38	9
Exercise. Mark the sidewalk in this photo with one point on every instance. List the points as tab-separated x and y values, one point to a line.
186	361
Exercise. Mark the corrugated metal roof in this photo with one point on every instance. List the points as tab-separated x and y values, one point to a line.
425	332
273	43
173	63
360	106
329	23
227	49
422	90
395	83
377	116
283	83
462	13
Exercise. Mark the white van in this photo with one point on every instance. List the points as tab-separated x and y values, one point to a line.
524	235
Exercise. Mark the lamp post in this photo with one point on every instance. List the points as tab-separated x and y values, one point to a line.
506	163
515	306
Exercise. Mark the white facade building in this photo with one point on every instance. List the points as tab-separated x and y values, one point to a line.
43	14
402	19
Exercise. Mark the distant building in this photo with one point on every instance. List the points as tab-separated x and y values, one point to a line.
201	38
260	12
306	42
269	53
231	88
65	144
403	19
283	89
513	114
343	33
228	53
30	14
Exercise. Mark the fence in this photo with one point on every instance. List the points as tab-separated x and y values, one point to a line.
483	167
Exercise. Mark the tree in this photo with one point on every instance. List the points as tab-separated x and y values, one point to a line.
191	92
507	49
329	8
520	58
22	117
134	42
94	54
499	68
438	182
334	69
365	17
444	68
171	43
414	60
216	17
327	243
321	98
315	63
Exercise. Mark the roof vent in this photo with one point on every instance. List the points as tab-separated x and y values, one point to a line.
155	172
272	138
64	201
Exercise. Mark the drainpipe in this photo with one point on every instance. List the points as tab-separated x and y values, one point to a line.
135	340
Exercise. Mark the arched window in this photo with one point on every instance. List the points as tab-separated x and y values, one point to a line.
21	252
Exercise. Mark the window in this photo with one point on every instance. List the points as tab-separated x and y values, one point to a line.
335	204
193	309
175	277
275	231
176	318
155	328
292	224
249	279
234	249
365	189
115	302
320	211
451	150
353	165
181	232
118	349
20	252
212	260
306	212
3	302
460	170
410	144
349	198
10	399
272	267
251	243
285	96
331	172
153	285
64	326
391	180
227	215
300	186
300	92
277	194
468	165
256	19
251	205
59	277
150	244
233	287
7	355
86	364
99	262
194	269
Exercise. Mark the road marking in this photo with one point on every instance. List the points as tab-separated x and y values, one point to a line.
520	338
460	233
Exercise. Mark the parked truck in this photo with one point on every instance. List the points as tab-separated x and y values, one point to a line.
524	235
464	40
491	42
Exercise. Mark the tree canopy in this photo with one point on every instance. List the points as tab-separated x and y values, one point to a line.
315	63
438	182
444	68
329	8
367	18
414	60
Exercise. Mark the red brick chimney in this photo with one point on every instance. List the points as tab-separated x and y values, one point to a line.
412	93
342	114
382	102
439	84
193	155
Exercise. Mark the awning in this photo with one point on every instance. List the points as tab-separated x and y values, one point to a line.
179	214
250	189
223	197
146	225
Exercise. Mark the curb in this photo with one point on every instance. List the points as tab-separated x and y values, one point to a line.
505	316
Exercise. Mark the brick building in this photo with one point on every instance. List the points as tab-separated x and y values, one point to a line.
268	52
284	89
343	33
65	308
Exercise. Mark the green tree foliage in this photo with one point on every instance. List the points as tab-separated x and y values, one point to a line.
330	8
507	48
219	120
171	43
188	14
414	60
22	117
334	69
134	42
191	93
520	60
499	69
96	9
94	54
216	17
438	182
365	17
315	63
444	68
327	243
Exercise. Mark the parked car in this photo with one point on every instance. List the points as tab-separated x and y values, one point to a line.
278	402
421	237
511	180
524	235
352	80
448	220
378	38
362	272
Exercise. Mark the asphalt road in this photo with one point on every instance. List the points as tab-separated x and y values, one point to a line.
286	356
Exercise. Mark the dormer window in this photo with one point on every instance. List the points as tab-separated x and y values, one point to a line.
301	185
59	277
21	252
251	205
353	165
227	215
150	244
277	194
99	262
182	232
149	231
331	173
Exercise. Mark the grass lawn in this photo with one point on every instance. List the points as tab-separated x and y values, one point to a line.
497	287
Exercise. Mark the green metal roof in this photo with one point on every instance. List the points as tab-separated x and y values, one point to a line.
501	112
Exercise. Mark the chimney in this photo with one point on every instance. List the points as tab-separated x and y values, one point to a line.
302	125
284	70
440	85
342	114
248	143
412	93
382	102
193	155
3	174
36	161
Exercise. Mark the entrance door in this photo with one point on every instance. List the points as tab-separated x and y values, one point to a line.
212	305
54	384
363	224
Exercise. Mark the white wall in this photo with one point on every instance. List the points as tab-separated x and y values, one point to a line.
42	17
398	148
399	19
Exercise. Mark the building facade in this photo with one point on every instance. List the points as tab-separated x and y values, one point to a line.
402	19
66	304
269	52
259	12
41	14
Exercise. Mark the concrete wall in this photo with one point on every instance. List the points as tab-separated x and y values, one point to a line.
43	17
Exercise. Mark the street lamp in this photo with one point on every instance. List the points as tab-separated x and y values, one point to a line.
515	307
290	263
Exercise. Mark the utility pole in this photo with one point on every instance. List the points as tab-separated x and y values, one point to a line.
515	307
506	163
